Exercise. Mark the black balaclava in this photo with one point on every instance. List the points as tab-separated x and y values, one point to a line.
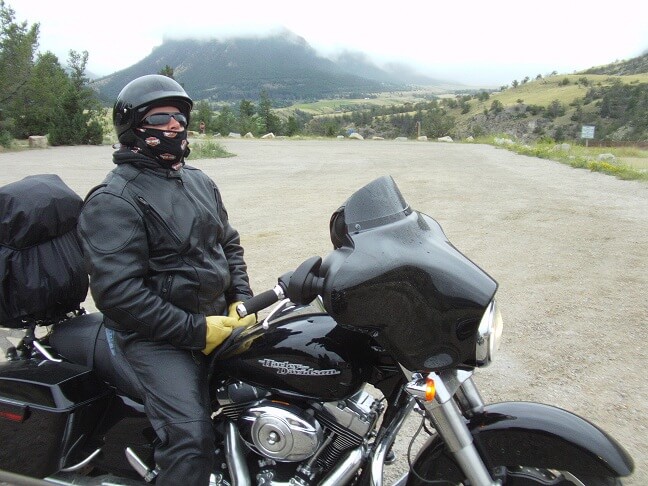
166	147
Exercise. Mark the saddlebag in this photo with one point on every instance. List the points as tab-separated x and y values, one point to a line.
47	411
41	261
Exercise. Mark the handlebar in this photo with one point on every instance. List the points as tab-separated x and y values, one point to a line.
300	286
261	301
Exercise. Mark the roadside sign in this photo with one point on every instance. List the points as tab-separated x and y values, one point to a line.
587	131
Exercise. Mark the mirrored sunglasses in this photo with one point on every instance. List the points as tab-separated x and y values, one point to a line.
164	118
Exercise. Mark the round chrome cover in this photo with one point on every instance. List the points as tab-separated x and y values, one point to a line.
279	431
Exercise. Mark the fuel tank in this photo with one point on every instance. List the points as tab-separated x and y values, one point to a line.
303	353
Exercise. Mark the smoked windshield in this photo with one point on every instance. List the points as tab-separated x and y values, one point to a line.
379	202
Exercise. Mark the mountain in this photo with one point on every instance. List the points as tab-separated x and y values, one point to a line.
359	64
284	65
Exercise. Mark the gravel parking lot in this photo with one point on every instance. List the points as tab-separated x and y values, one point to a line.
568	247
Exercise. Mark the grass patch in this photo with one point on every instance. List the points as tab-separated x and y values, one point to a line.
588	158
208	149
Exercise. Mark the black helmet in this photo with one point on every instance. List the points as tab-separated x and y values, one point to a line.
142	94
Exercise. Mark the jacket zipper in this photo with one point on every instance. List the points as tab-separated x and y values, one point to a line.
148	209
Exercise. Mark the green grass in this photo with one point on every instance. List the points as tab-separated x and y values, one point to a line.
205	148
544	91
587	158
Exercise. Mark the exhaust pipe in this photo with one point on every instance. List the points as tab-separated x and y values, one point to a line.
345	470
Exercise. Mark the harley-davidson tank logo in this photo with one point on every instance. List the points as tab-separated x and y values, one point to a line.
287	368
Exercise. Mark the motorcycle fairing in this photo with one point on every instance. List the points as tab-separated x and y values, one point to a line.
395	276
531	435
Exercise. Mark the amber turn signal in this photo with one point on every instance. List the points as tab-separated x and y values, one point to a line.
430	390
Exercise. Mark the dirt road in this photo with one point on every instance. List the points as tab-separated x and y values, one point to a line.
568	247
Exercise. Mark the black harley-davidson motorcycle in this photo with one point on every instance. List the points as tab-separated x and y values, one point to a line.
392	322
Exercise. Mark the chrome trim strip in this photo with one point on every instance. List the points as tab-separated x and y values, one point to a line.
83	463
45	352
239	472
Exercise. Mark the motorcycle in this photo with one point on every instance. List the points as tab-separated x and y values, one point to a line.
392	323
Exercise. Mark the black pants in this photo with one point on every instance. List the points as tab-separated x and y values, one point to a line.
172	383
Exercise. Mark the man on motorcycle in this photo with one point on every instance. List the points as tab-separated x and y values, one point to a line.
166	270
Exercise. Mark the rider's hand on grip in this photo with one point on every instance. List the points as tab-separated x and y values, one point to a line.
240	321
218	330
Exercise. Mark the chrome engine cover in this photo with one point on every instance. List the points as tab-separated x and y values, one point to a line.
279	431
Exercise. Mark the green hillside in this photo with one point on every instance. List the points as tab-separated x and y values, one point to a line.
544	91
554	107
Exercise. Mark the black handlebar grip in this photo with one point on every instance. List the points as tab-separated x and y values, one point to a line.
257	303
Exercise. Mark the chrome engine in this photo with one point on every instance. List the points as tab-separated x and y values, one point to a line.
311	439
280	431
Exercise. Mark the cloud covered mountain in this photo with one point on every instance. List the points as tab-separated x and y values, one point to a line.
284	65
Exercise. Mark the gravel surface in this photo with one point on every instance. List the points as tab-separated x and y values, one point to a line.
568	247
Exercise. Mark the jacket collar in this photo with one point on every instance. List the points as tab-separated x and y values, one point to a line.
125	155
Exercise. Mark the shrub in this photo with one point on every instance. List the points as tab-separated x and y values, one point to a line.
208	150
5	139
94	133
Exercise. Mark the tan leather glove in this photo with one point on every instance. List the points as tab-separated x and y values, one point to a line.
218	330
241	321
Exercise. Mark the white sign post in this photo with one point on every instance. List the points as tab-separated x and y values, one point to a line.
587	132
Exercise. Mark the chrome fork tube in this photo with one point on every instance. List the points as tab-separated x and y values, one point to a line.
469	398
451	426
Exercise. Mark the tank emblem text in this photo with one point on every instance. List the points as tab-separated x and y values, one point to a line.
286	368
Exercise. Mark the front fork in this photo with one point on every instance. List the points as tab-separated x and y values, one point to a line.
436	394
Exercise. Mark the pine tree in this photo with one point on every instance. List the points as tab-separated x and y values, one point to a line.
18	43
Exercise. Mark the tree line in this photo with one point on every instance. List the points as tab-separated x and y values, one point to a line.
38	95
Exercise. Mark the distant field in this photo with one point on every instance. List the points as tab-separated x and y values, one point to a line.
329	107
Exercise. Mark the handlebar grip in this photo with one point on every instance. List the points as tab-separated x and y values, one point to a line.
260	301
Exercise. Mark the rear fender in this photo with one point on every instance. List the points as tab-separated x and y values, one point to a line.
532	435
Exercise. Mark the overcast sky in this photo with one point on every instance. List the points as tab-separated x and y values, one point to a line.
479	43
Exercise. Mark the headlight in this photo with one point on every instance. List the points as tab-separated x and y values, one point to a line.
489	335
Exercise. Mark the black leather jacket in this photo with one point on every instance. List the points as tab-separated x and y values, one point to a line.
160	251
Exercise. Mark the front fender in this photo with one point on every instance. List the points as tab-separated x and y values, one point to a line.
532	435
